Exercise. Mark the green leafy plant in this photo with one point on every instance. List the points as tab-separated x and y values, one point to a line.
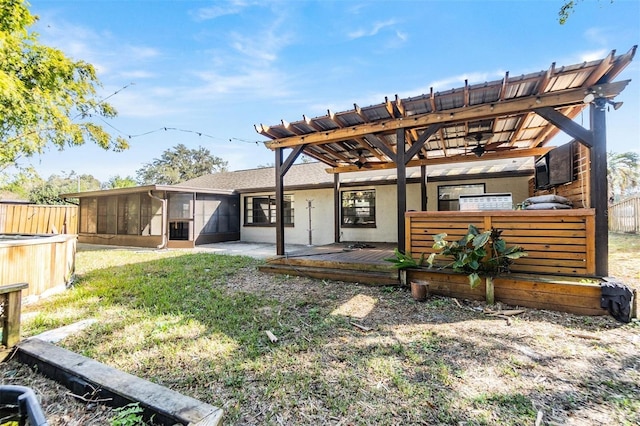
405	260
477	254
129	415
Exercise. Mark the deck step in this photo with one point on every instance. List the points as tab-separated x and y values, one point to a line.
382	267
380	277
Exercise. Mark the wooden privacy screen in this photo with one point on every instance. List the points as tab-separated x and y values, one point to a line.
35	219
559	242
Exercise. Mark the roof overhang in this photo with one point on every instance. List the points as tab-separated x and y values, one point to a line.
509	118
147	188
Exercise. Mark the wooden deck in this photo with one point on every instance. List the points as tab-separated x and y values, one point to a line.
351	262
364	263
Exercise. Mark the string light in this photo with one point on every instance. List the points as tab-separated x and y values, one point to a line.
131	136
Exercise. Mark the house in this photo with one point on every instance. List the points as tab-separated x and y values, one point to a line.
365	198
379	162
240	205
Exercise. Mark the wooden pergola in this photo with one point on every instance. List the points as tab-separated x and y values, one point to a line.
516	116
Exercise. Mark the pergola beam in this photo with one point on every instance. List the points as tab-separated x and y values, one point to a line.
558	99
519	153
567	125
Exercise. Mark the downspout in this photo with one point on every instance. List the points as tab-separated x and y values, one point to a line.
164	219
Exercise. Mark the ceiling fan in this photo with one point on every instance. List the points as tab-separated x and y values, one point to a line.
480	149
362	160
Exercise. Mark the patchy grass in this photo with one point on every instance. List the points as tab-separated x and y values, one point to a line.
196	323
624	257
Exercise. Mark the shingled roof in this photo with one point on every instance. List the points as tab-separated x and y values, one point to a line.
314	175
300	175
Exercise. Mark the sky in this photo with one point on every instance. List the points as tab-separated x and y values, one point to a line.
208	71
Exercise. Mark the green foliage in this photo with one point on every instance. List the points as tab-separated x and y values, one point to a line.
45	194
45	97
566	9
477	254
623	174
49	192
129	415
21	183
404	261
180	164
119	182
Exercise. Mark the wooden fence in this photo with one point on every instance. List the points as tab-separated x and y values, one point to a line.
624	216
35	219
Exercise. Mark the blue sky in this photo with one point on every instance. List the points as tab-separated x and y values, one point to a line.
211	70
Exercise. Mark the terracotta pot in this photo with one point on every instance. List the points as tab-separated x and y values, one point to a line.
419	290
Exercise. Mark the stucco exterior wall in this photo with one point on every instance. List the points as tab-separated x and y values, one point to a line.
321	220
517	186
322	215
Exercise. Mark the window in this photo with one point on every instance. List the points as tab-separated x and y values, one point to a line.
261	210
359	208
129	214
448	195
107	211
88	213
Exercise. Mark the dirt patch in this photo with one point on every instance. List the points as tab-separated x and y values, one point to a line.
59	405
382	358
569	369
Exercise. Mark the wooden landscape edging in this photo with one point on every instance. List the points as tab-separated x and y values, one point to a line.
564	294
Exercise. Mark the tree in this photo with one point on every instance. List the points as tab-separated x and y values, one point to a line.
623	173
21	183
179	164
45	97
119	182
49	192
567	9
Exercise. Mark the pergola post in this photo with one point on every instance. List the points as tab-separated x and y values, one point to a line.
279	203
282	167
599	186
423	188
337	207
401	186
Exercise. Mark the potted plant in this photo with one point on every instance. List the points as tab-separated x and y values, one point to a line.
478	254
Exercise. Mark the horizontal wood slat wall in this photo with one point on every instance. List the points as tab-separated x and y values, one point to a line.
560	242
36	219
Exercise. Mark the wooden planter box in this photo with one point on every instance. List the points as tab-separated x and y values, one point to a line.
558	293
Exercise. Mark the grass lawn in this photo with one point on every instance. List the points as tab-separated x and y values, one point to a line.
196	322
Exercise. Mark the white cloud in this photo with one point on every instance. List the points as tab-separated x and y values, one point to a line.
96	48
402	36
141	52
152	103
137	74
596	35
232	7
593	55
255	82
456	81
377	26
